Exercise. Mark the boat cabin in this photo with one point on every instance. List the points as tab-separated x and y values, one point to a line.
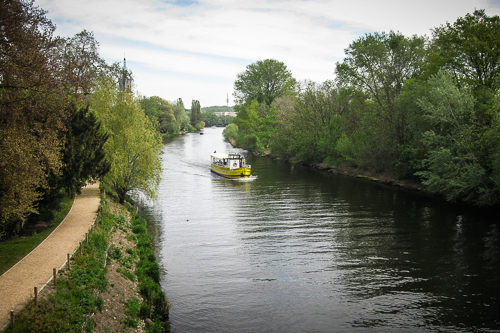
231	160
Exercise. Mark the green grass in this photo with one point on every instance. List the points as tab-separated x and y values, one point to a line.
69	307
13	250
132	308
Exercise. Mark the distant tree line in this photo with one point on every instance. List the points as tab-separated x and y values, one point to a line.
63	120
174	119
412	107
212	119
217	109
171	117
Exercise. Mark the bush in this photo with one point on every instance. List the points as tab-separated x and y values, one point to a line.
230	132
139	229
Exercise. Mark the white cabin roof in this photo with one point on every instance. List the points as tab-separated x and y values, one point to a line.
220	155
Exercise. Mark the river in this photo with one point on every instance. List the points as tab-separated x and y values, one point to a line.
300	250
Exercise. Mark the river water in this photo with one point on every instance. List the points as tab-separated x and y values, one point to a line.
300	250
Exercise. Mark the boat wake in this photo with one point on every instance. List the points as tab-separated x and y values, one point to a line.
244	180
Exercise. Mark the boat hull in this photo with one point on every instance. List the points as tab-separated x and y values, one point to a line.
231	173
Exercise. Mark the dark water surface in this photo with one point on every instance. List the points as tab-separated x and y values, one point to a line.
297	250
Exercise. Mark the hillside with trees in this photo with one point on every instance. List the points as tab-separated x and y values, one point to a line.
418	108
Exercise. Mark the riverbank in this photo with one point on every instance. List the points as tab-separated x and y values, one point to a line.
111	284
388	180
371	176
385	179
374	177
36	268
357	173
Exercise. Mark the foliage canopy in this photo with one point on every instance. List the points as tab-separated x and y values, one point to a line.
134	146
264	81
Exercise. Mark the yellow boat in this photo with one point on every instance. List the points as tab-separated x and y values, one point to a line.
230	165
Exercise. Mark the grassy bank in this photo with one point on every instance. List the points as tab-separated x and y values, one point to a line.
112	285
14	249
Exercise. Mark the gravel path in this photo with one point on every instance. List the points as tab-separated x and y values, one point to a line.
17	284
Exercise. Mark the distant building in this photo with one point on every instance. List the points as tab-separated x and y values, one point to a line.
125	83
232	114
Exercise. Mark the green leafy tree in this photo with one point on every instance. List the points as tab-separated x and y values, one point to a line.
161	112
317	114
181	117
33	110
230	132
82	65
150	107
412	152
166	117
379	64
133	147
264	81
196	117
84	157
363	141
84	160
210	119
493	137
224	120
266	132
454	168
468	49
248	122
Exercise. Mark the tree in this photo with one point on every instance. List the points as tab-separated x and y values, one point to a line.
264	81
84	160
150	107
181	116
316	122
84	157
281	143
454	167
171	117
196	117
469	49
133	147
379	64
230	132
32	110
248	121
165	115
209	118
82	62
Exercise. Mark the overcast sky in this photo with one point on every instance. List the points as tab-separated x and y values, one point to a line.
194	49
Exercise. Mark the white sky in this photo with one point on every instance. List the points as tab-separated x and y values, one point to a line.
194	49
